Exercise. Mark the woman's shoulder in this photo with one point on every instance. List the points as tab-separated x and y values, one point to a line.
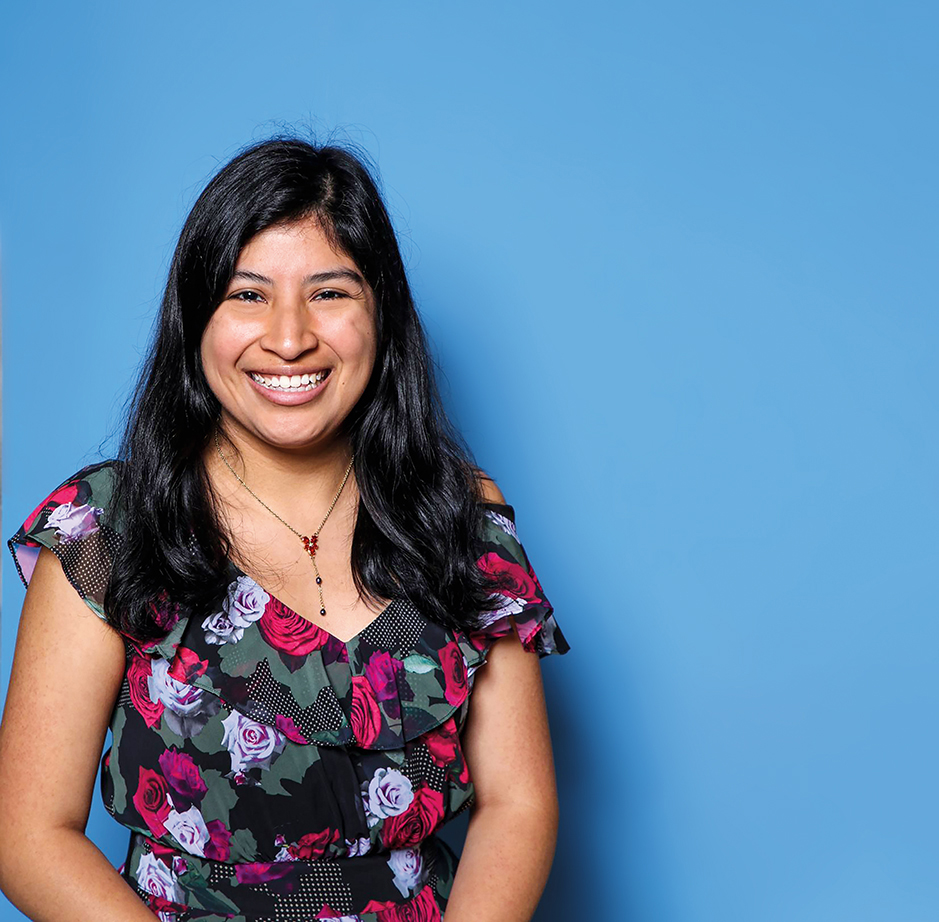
488	488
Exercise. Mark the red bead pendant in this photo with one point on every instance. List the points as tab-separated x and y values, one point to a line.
309	545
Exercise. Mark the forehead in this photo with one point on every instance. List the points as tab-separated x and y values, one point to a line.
293	247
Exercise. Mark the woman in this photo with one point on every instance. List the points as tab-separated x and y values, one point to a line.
298	578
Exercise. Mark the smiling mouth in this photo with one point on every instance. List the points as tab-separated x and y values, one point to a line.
290	384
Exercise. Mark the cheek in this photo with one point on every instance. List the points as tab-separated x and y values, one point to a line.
355	341
222	343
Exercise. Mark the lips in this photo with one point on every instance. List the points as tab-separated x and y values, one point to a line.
288	396
296	382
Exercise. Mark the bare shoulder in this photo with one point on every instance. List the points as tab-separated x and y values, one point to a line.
490	491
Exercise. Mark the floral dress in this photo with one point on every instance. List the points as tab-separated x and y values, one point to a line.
269	772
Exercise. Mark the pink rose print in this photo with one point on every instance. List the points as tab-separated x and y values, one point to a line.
313	845
262	871
165	910
152	800
165	613
218	848
423	908
517	583
138	679
454	670
186	666
377	905
366	716
443	743
417	822
288	632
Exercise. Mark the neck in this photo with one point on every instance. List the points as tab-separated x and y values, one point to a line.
281	476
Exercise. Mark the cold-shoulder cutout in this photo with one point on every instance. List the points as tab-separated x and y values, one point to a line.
491	494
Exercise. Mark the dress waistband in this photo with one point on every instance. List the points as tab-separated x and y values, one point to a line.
179	886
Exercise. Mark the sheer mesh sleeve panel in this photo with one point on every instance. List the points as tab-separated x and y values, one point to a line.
72	522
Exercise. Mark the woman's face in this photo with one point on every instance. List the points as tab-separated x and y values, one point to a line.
291	347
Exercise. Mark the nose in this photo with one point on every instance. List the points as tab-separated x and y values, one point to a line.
289	332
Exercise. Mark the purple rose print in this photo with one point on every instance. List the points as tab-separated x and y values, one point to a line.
381	672
187	709
408	869
251	744
245	601
243	605
156	878
73	522
219	629
189	830
183	776
355	847
510	607
389	794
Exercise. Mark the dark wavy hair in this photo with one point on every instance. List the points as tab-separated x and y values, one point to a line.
419	514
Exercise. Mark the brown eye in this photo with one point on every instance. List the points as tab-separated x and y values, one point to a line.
330	294
237	296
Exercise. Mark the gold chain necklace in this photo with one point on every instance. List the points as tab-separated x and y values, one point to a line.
309	542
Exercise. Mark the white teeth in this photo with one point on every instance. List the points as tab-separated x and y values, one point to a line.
290	383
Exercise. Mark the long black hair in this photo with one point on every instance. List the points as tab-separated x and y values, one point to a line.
419	513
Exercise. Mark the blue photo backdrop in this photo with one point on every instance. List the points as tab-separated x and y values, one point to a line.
677	262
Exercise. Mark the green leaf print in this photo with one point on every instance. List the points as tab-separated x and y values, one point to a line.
419	664
220	797
117	776
244	847
204	897
293	763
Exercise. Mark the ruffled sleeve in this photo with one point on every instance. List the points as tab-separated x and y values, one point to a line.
524	601
73	523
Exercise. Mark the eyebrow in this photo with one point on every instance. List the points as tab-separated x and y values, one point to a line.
327	275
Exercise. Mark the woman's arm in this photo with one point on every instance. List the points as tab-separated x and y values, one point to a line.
67	671
513	828
512	832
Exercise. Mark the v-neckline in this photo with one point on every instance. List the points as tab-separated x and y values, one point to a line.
239	572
